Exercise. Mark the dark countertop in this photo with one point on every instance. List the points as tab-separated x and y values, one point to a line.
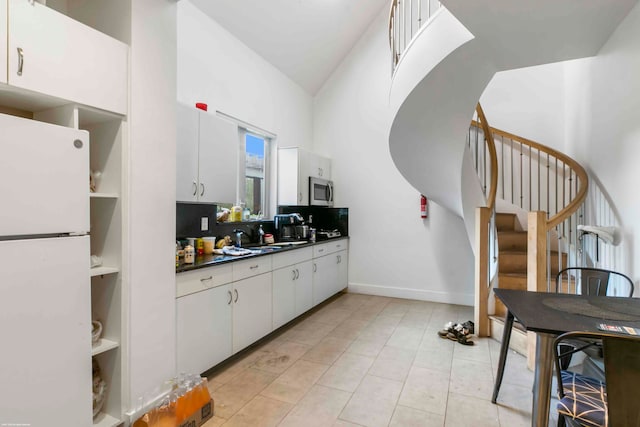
203	261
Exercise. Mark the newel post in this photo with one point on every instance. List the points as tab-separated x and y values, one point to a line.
536	267
481	295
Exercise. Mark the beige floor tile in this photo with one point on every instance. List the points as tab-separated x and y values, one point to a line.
349	329
478	352
367	346
373	402
378	329
213	386
464	411
214	422
470	378
415	319
236	367
328	350
396	353
407	338
260	412
231	397
396	308
292	385
319	408
390	369
331	316
426	390
514	405
308	332
365	313
409	417
436	358
282	357
342	423
347	372
422	306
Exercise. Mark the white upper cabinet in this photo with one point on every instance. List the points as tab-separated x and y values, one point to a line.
50	53
207	157
295	166
3	41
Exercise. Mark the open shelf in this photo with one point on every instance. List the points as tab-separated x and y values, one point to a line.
105	420
101	271
103	195
105	345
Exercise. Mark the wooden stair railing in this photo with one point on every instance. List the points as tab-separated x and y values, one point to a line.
547	183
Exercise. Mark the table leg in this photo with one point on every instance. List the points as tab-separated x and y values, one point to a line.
542	380
504	349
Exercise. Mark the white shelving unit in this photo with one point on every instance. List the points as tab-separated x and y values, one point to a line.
83	49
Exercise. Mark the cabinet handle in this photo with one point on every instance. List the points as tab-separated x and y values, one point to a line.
204	279
297	274
300	197
338	260
20	61
202	189
253	267
230	297
236	291
195	188
293	277
320	251
315	267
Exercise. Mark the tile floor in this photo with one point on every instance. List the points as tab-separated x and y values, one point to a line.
363	360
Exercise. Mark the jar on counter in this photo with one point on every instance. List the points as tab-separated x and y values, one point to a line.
189	255
199	246
236	214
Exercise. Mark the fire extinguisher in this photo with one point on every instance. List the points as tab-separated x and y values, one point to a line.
423	206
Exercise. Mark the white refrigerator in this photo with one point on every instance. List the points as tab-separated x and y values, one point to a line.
45	295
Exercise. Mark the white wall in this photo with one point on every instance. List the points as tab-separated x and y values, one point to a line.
216	68
392	250
604	126
152	177
528	102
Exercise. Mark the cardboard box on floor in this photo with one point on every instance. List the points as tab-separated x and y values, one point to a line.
197	419
200	416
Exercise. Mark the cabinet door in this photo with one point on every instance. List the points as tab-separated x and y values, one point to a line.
319	167
251	310
45	321
53	54
3	41
304	287
218	160
44	185
187	154
325	275
304	172
284	295
343	270
203	329
289	190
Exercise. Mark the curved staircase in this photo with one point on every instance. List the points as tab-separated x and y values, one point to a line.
438	78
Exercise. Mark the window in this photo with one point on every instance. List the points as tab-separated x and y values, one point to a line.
255	173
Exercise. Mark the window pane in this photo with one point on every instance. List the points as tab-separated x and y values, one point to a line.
254	173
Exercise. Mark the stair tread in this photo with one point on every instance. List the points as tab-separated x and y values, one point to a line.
516	325
511	232
512	274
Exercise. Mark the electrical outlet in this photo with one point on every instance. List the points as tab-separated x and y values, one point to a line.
204	223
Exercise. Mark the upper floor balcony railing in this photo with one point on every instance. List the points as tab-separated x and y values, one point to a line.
406	18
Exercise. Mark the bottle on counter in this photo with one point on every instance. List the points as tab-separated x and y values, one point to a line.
236	213
189	255
199	246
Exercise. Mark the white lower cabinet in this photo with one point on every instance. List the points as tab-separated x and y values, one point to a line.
204	329
251	310
292	292
325	276
224	309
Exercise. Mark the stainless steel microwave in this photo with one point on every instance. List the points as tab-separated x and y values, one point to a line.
320	192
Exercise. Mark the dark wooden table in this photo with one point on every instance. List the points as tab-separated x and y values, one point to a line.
549	315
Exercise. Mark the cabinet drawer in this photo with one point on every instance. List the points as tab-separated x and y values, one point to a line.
198	280
329	247
251	267
292	257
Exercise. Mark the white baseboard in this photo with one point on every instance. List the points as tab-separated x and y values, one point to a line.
417	294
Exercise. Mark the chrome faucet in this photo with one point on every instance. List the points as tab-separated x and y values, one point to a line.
239	234
261	235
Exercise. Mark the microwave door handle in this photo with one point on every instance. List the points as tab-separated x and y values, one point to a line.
330	191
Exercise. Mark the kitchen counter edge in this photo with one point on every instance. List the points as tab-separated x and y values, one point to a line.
210	261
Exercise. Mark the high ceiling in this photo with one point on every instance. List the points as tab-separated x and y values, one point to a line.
305	39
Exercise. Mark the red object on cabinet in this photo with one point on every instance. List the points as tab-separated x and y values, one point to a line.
202	106
423	206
